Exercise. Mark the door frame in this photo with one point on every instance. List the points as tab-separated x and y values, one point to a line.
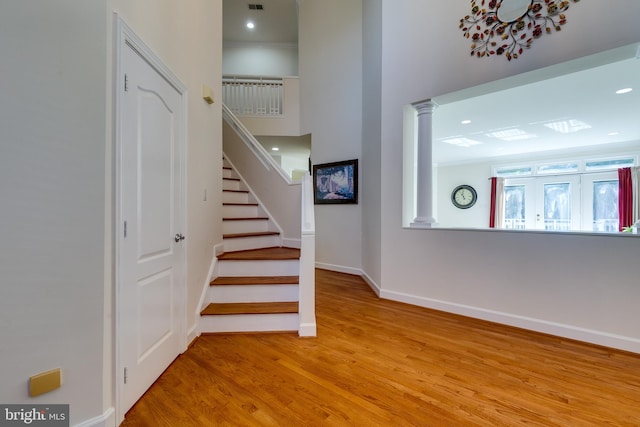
125	37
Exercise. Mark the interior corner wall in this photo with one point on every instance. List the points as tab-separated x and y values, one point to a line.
579	286
371	143
330	43
188	39
52	186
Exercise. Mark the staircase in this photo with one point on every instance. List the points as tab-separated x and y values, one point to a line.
257	283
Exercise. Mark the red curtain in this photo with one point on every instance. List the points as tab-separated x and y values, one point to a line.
625	198
492	208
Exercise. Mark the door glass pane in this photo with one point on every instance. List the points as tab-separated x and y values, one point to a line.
514	204
605	206
557	206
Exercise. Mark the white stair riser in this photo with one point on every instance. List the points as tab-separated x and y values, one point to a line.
245	226
228	184
236	211
232	197
259	268
245	243
252	293
228	173
250	323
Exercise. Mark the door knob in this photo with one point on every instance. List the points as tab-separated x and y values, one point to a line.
179	237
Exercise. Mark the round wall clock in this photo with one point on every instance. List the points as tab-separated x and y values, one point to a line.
464	196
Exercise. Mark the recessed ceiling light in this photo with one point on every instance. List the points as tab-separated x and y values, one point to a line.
568	126
275	149
250	25
462	142
511	135
613	133
465	122
625	90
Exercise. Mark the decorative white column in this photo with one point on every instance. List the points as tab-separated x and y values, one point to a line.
424	186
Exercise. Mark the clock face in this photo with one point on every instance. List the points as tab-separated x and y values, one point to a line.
464	196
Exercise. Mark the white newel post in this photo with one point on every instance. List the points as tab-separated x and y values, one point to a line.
424	186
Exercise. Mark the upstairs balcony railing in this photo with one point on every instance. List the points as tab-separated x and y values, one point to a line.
266	105
253	95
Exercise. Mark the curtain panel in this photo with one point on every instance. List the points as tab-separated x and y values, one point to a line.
496	208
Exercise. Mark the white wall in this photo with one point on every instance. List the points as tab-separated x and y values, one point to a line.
287	124
57	183
281	200
371	142
579	286
52	192
476	175
294	151
269	59
331	93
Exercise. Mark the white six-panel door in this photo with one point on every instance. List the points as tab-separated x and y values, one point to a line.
151	279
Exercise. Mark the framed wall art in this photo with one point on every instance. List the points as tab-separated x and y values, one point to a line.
336	183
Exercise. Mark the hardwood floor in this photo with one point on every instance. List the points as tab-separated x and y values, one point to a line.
382	363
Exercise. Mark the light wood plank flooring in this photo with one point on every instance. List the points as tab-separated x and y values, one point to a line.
382	363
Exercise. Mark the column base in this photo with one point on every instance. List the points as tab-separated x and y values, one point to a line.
424	223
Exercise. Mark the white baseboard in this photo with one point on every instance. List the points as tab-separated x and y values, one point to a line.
537	325
339	268
108	419
372	284
194	330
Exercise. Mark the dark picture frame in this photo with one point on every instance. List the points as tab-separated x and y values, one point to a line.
336	183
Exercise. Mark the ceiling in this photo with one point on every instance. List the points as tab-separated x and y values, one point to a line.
572	107
579	110
277	22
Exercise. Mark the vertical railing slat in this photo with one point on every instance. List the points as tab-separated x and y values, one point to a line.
254	96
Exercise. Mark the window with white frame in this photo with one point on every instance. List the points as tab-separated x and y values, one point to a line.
575	195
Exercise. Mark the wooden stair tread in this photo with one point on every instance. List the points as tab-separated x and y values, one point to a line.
239	204
250	308
256	234
236	191
231	179
262	254
251	218
255	280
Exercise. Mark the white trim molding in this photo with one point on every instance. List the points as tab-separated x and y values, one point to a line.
532	324
107	419
339	268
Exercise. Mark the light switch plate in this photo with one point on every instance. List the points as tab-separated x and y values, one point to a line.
207	94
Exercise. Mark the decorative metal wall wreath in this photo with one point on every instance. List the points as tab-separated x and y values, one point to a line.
510	26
